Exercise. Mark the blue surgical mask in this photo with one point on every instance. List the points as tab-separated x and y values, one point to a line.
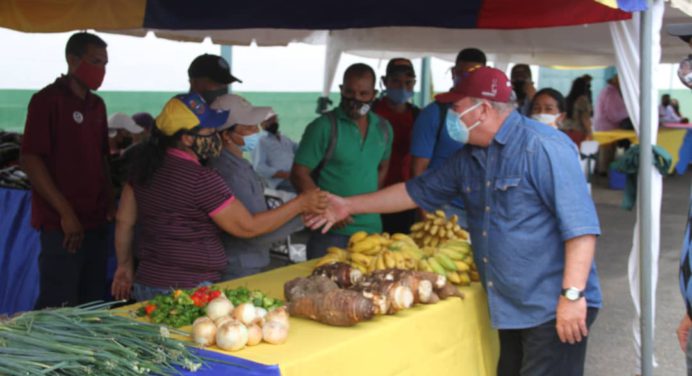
251	142
457	130
398	96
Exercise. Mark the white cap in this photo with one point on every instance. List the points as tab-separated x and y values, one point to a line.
241	111
120	120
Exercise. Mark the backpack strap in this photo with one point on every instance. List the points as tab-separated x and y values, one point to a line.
329	152
443	118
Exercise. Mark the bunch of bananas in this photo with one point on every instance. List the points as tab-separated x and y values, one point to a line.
376	252
453	259
435	229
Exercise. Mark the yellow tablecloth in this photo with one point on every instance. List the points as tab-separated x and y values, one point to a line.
453	337
669	139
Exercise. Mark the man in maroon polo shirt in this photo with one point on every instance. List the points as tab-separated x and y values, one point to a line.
64	152
396	107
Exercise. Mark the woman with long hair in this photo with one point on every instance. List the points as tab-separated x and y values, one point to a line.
578	124
180	207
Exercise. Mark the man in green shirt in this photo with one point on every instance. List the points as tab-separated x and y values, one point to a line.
354	162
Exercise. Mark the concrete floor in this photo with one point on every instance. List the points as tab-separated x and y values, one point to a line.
611	348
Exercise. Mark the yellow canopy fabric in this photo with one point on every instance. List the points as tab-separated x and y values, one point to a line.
452	337
48	16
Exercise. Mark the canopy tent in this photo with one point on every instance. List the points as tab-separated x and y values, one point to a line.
540	29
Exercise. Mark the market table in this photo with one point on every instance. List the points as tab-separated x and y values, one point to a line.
669	139
452	337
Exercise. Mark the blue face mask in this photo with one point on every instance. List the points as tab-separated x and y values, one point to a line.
399	96
457	130
251	142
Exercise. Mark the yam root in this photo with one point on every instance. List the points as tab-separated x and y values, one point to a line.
449	290
344	275
302	287
335	307
399	296
380	301
422	288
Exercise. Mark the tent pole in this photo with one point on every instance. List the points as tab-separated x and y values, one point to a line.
645	191
425	82
227	53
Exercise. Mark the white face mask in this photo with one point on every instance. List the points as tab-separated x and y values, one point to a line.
550	119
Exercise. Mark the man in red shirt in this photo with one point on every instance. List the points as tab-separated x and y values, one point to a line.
395	106
64	152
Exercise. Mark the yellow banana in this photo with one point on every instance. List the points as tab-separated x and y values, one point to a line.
417	226
380	262
436	267
453	277
430	216
372	251
399	260
440	214
462	266
433	229
412	253
364	245
338	252
410	264
427	226
361	259
454	219
424	266
441	232
363	268
389	259
418	235
446	262
434	242
465	279
356	237
450	252
475	277
326	260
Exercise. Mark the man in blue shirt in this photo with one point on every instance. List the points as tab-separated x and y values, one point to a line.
431	145
533	224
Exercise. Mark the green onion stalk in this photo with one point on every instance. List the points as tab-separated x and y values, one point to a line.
90	339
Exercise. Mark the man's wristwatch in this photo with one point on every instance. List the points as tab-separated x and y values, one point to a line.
572	293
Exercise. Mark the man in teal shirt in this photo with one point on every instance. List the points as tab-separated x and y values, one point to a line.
354	162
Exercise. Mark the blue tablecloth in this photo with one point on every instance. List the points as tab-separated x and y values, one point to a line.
19	250
685	156
239	367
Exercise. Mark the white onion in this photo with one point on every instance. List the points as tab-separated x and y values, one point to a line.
245	313
204	331
219	307
280	315
254	335
232	336
274	332
222	320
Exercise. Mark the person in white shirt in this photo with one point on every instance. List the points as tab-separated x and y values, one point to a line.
666	112
273	157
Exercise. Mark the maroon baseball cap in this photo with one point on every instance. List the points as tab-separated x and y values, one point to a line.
484	83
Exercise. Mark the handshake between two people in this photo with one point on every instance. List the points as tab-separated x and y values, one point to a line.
323	210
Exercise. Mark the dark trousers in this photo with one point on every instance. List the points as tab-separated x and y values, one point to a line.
538	351
398	222
318	243
68	279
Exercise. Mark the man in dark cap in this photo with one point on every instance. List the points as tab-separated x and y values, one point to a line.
395	106
210	76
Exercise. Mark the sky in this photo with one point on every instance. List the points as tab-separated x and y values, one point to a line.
32	60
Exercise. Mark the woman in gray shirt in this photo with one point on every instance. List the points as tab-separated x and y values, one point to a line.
240	134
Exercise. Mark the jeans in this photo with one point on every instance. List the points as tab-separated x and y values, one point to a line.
142	292
72	278
451	210
318	243
538	351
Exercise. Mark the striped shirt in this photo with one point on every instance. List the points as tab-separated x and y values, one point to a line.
178	244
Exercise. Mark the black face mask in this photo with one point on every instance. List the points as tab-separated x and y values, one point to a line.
210	95
354	107
272	128
125	142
